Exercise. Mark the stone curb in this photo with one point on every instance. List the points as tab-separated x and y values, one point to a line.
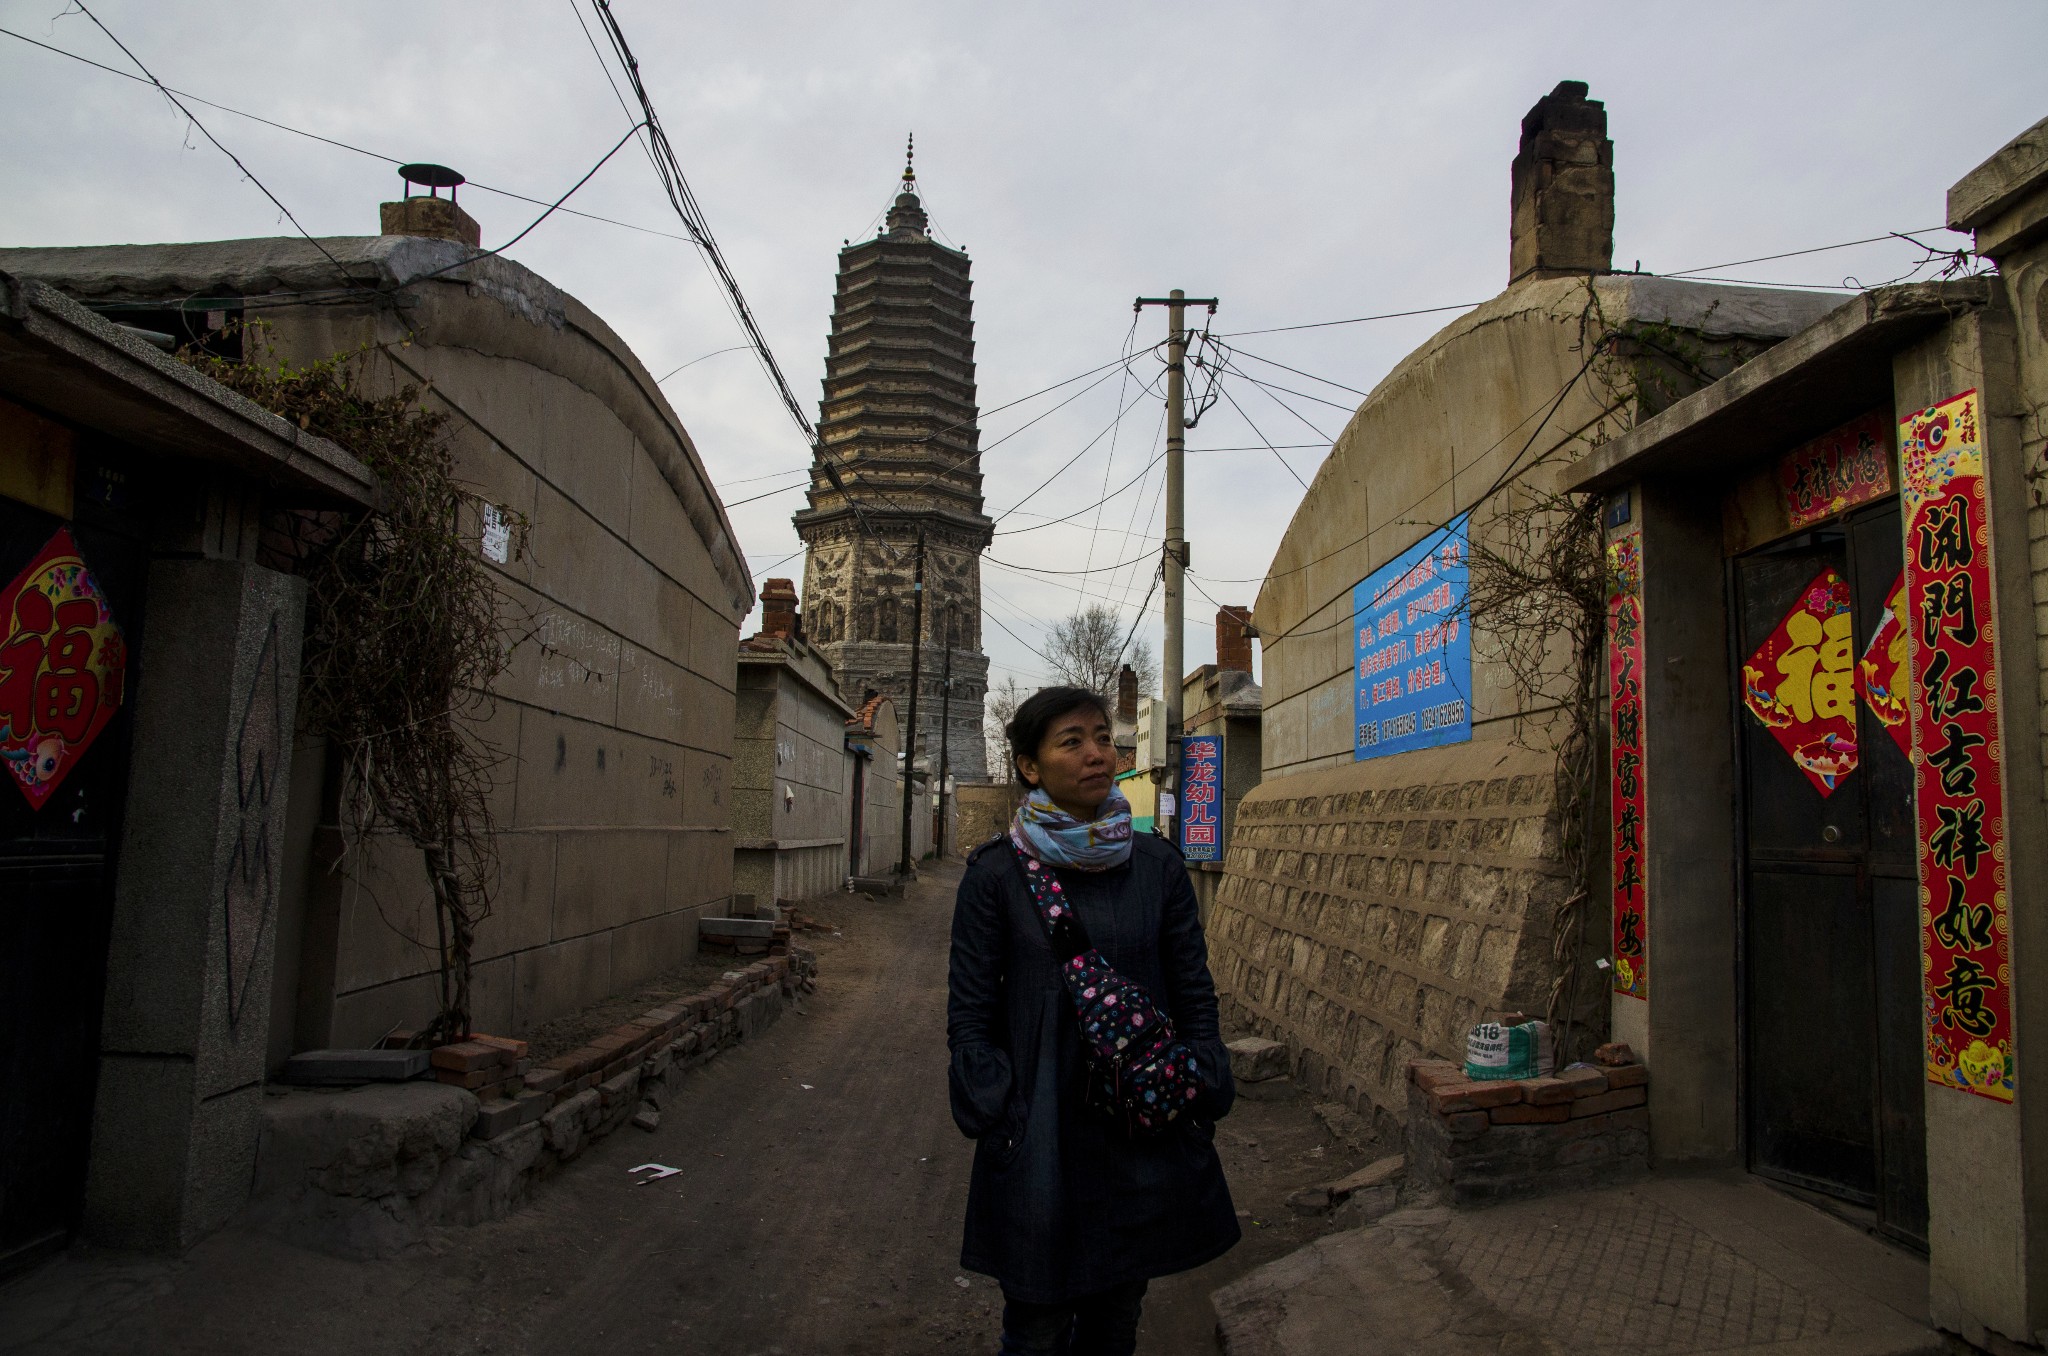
366	1171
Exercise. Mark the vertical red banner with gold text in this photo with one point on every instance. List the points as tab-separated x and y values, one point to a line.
1958	759
1629	860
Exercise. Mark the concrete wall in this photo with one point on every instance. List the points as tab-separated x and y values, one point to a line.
1372	961
792	775
1431	440
882	821
615	719
184	1037
2017	344
1987	1182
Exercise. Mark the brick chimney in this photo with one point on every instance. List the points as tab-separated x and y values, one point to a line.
1127	695
1562	196
778	609
429	214
1234	639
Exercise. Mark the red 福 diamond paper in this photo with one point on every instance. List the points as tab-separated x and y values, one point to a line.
1801	682
1882	676
62	663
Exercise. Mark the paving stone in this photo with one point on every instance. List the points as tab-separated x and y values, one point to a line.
1254	1059
339	1068
1269	1090
1371	1175
735	929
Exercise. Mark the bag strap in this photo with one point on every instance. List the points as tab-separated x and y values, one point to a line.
1064	931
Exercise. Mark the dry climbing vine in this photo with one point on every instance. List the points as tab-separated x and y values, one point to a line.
1538	582
405	633
1538	588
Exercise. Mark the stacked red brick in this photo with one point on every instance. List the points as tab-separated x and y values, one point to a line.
489	1066
1481	1141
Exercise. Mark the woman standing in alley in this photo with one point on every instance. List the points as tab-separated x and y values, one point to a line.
1086	1058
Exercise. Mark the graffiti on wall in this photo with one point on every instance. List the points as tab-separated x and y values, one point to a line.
1800	684
62	667
1837	471
260	755
1958	774
1629	861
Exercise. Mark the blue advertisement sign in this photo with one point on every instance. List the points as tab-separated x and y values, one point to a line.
1413	648
1201	798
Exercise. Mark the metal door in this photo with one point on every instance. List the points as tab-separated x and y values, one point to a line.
1831	976
56	905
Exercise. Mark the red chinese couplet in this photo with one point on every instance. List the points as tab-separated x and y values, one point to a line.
1958	760
1629	861
62	663
1838	470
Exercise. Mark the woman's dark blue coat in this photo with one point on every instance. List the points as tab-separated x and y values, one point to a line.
1064	1202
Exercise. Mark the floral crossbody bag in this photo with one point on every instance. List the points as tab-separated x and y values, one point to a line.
1141	1073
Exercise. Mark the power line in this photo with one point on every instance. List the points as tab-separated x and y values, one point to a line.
676	187
1269	386
772	475
1151	388
1354	320
694	361
1099	569
1340	550
1262	437
1498	481
1108	466
1272	393
1246	353
190	117
1054	522
331	141
1681	273
1794	254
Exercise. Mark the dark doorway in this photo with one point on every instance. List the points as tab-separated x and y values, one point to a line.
856	826
56	909
1832	1061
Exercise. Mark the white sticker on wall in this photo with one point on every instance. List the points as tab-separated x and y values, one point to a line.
497	535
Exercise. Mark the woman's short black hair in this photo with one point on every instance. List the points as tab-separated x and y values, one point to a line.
1026	730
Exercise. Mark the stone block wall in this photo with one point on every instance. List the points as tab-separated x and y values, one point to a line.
983	811
1369	915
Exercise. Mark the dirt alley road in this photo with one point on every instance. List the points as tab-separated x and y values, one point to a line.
818	1211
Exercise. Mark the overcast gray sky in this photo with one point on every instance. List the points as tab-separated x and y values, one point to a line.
1303	162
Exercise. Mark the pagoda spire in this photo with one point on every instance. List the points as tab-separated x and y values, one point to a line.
908	217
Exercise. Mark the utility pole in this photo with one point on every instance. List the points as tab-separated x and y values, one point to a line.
945	741
1176	303
916	676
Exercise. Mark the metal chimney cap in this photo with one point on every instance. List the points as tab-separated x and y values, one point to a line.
434	177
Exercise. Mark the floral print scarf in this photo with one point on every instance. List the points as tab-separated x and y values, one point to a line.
1043	830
